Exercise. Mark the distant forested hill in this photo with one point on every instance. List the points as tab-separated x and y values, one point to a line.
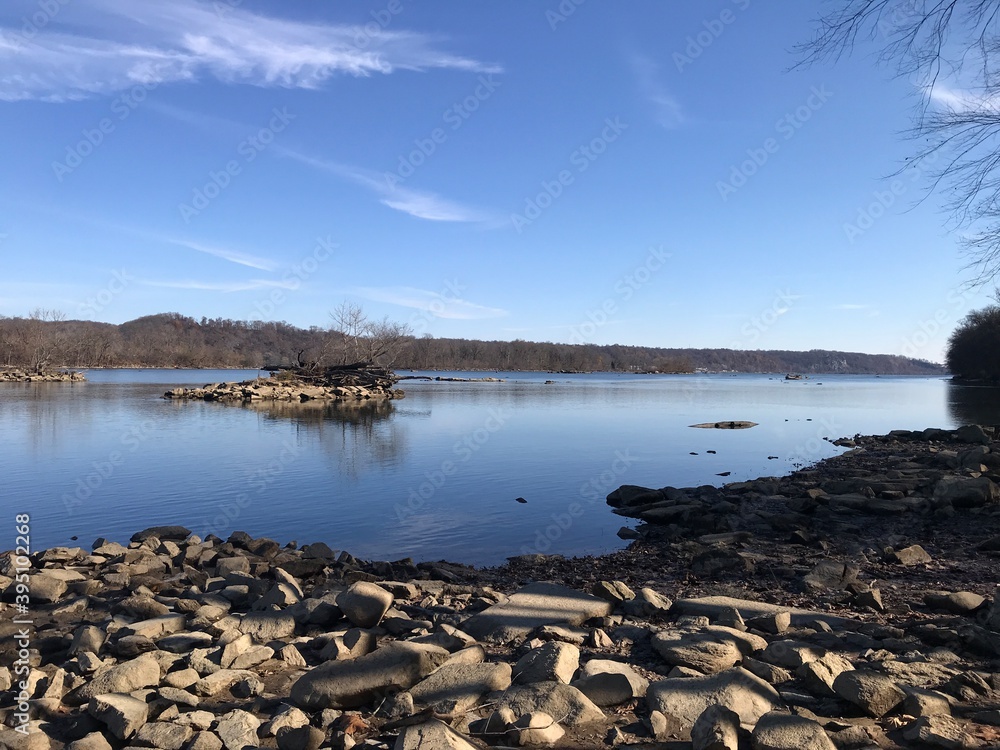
173	340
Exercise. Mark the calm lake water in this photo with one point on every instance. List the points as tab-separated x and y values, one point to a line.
433	476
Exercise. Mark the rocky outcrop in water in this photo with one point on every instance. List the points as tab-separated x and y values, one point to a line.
13	375
336	384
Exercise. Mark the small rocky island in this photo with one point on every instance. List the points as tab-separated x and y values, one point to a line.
349	384
15	375
850	605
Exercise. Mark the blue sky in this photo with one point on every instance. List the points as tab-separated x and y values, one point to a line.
641	173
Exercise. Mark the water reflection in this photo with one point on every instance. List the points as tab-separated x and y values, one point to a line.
356	435
974	404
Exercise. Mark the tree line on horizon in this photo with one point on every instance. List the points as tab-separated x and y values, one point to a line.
45	339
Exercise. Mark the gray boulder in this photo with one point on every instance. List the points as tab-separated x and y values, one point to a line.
717	728
458	687
122	714
551	662
783	731
686	698
608	683
364	604
141	672
352	683
238	729
873	692
566	703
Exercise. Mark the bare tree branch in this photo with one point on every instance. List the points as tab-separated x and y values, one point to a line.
950	50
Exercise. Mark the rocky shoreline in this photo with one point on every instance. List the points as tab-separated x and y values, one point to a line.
853	604
14	375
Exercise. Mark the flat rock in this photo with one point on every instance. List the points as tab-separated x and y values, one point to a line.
938	731
715	606
268	626
532	607
958	603
173	533
697	651
352	683
686	698
163	735
458	687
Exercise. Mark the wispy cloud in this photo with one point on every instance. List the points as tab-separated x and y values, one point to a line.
420	204
220	286
116	44
666	109
233	256
200	120
439	305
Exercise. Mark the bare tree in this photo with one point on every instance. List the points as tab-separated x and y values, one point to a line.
951	51
349	323
355	338
41	338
